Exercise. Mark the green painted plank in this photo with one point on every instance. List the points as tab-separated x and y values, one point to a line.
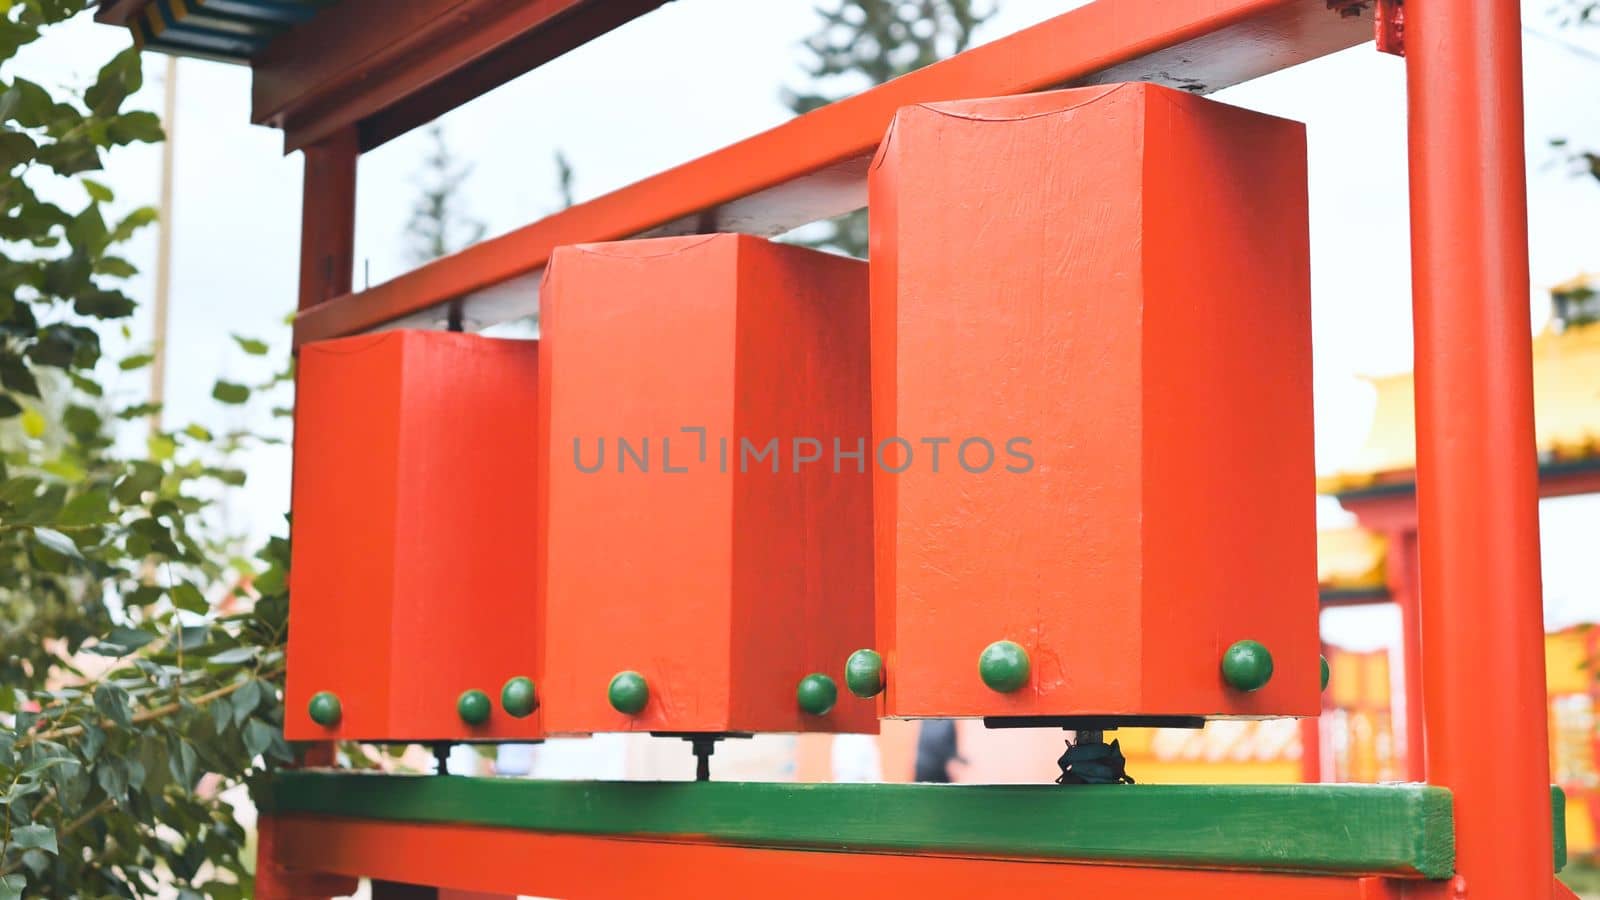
1367	829
1558	821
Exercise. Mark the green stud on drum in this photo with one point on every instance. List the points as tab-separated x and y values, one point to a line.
1004	666
1247	666
473	707
1325	672
518	698
324	709
817	694
628	693
863	673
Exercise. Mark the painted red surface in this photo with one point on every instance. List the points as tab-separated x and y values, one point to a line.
726	583
1482	618
413	532
1119	277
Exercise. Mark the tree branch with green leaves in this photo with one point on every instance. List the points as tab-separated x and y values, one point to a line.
141	650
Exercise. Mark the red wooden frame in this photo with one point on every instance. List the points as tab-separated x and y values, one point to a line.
815	166
1477	483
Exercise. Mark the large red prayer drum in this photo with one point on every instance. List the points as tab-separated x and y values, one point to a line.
1094	304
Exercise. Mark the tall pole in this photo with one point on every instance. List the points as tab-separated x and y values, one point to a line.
158	365
1477	482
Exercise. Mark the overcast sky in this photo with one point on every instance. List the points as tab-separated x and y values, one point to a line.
698	74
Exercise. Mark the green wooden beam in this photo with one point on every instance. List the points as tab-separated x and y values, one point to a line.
1355	829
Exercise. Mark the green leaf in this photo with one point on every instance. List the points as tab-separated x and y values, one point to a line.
115	267
229	392
112	702
128	639
87	231
87	385
144	477
188	598
8	406
117	79
88	508
139	411
245	700
35	837
221	717
258	736
83	422
16	148
234	656
26	103
57	542
19	492
136	361
11	886
15	375
139	218
112	776
251	345
182	762
104	304
68	158
137	126
94	740
97	191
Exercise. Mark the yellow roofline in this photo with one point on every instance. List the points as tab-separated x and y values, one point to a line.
1566	386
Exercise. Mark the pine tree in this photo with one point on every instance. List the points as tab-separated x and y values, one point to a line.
864	43
438	225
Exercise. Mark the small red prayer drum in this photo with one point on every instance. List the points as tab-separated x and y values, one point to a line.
707	523
414	612
1100	300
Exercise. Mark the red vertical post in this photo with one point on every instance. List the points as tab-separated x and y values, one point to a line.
327	256
328	219
1477	487
1403	587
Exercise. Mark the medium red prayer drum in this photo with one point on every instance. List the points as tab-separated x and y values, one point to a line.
707	519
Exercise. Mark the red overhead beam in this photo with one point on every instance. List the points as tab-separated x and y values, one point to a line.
814	166
118	12
387	66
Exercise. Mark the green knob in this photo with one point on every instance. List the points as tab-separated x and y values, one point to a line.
863	673
518	698
324	709
1246	665
1004	666
817	694
1325	672
628	693
473	707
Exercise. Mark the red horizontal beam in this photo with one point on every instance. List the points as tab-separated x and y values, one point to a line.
508	861
814	167
387	66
